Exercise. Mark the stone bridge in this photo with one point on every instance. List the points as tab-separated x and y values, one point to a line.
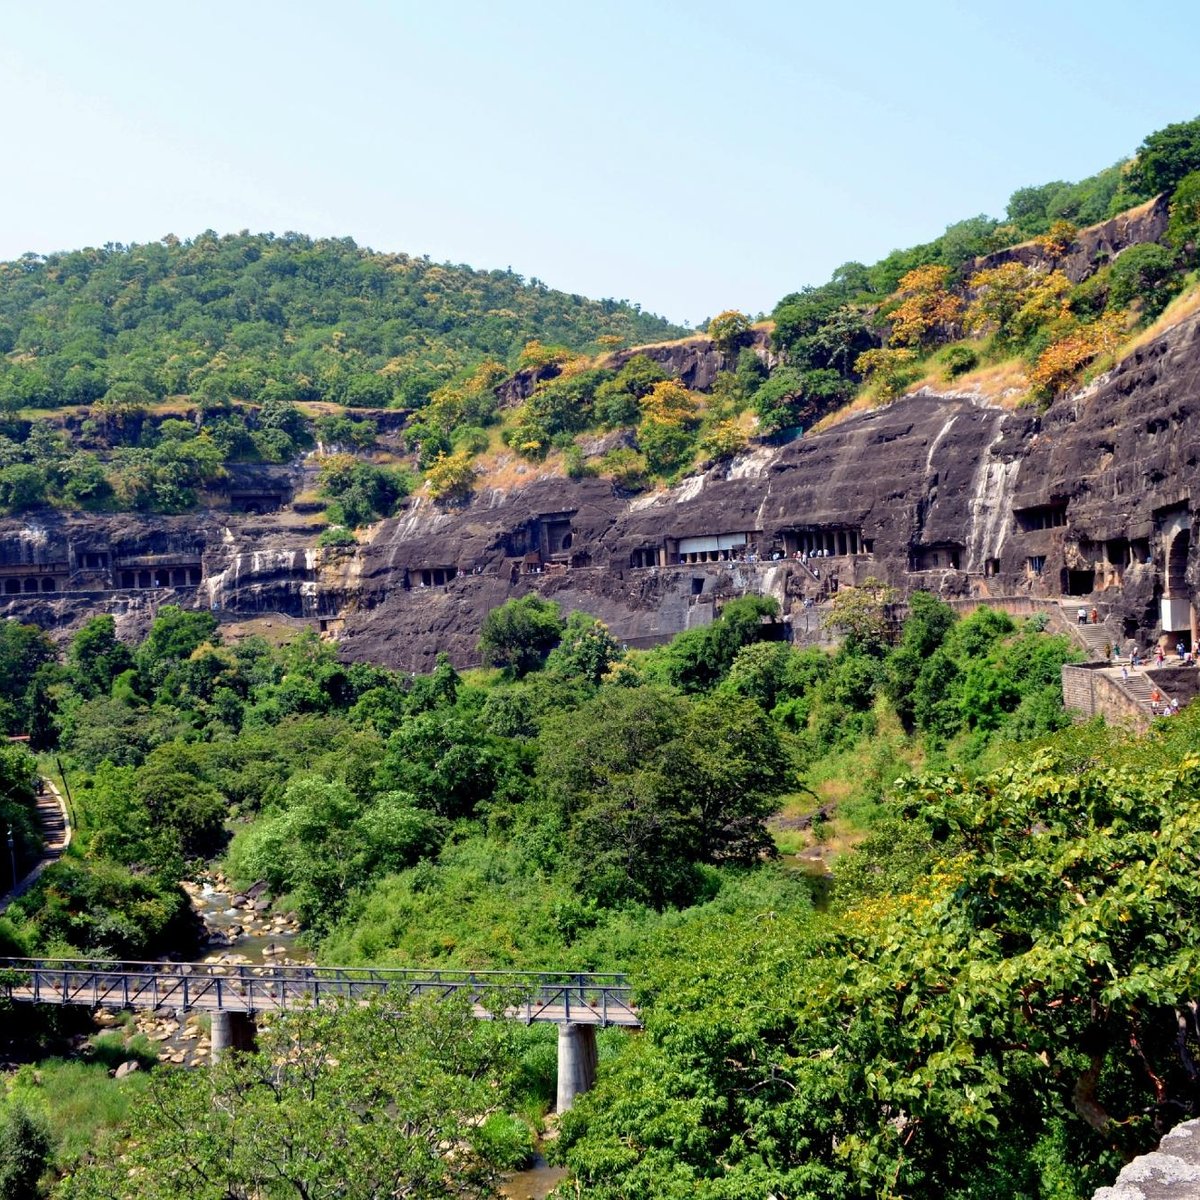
578	1003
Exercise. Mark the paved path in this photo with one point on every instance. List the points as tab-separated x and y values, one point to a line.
56	837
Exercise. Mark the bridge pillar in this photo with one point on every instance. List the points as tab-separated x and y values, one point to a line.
232	1031
576	1062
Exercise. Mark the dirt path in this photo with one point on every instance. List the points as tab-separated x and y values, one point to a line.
56	837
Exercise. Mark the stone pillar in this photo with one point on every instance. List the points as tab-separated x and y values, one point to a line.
232	1031
1195	628
576	1062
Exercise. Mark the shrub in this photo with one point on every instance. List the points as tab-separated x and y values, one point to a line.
958	360
1146	274
890	370
336	535
451	477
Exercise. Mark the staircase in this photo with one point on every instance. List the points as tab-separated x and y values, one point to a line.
1138	687
1094	638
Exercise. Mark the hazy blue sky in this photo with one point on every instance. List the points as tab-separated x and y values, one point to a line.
689	156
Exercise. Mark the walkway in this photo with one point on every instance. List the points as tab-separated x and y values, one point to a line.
56	837
1131	681
592	998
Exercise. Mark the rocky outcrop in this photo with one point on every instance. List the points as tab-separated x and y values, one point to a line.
1172	1172
940	491
1092	247
694	361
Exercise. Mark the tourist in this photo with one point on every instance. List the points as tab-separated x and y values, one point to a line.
1081	615
1179	651
1095	616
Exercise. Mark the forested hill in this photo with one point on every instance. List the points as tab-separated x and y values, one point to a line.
262	317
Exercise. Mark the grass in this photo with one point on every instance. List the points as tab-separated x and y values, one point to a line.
849	782
80	1101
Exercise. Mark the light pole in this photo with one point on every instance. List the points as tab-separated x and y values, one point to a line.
12	855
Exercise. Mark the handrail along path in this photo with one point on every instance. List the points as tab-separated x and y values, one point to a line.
579	998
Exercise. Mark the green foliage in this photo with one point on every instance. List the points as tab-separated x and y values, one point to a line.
645	787
356	1102
951	1031
586	650
958	360
520	633
1147	274
729	331
360	492
618	400
27	658
25	1148
696	660
1168	155
336	537
1183	230
321	842
260	318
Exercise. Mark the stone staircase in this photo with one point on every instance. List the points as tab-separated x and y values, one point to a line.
1093	638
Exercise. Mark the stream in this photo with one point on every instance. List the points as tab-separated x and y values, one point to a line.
242	930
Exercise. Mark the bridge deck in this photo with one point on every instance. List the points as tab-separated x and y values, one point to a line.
586	999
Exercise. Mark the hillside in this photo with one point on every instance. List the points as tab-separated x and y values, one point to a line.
257	317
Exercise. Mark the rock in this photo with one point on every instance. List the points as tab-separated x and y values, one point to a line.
942	490
126	1068
262	904
257	889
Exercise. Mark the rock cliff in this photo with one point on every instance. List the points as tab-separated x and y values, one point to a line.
941	491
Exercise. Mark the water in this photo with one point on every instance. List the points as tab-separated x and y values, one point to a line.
534	1183
257	937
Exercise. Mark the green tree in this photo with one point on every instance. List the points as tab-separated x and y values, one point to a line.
1183	230
1146	273
586	650
1168	155
25	1150
96	657
729	331
520	633
175	635
390	1098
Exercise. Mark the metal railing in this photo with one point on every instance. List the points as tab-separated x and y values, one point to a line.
596	998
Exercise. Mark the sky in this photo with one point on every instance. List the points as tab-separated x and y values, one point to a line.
690	157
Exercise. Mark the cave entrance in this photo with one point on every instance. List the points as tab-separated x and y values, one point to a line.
1079	583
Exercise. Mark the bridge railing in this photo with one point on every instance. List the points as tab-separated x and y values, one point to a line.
597	997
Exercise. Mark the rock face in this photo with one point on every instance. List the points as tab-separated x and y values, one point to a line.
1172	1172
937	491
1093	246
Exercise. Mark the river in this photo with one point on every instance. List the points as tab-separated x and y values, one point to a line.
240	932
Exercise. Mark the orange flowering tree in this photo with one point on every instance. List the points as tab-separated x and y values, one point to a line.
925	308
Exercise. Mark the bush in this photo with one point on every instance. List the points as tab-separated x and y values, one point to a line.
24	1154
1146	274
335	536
451	476
958	360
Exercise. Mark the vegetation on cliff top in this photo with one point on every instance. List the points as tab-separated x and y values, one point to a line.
175	360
